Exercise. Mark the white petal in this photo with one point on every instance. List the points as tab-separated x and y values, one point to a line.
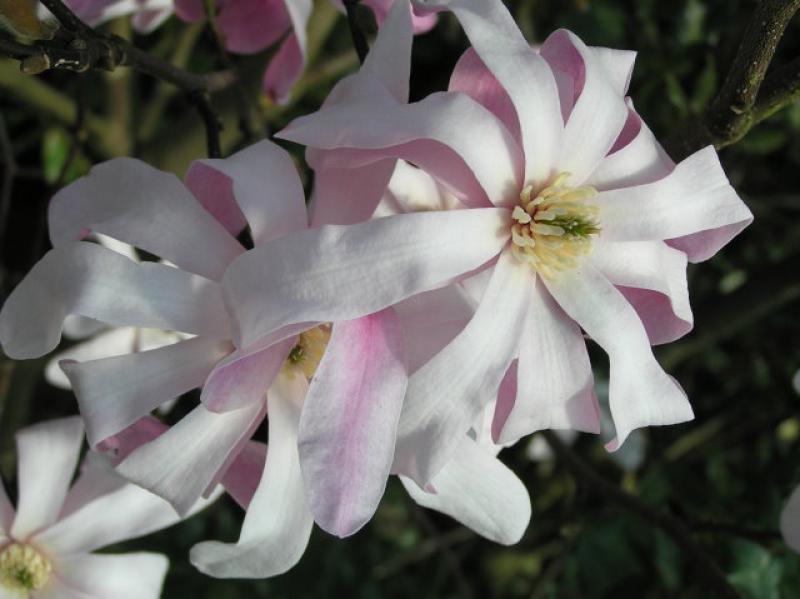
344	272
131	201
446	395
522	72
555	388
267	188
479	491
640	392
47	454
113	393
654	266
278	523
790	521
389	58
88	279
695	197
128	576
618	64
115	342
599	112
185	461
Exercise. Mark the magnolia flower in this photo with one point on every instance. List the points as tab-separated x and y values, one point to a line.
572	214
147	15
47	544
250	26
790	521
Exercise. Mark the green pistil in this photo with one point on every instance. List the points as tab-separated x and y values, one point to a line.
297	353
575	227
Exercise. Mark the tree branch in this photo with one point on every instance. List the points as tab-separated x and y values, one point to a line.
780	88
705	568
730	114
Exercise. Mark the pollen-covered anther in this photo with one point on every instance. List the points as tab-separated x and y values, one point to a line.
553	229
307	353
23	568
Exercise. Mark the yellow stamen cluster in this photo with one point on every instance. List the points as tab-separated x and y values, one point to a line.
23	569
308	351
553	230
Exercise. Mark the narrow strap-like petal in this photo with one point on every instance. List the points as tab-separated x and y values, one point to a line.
267	189
88	279
241	479
349	421
695	197
651	266
114	342
555	388
446	395
339	273
640	392
131	201
47	454
115	392
479	491
619	66
523	73
389	58
278	523
128	576
181	464
790	521
337	201
599	111
250	26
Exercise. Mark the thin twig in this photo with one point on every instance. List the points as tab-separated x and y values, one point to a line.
359	39
730	114
211	121
705	568
764	537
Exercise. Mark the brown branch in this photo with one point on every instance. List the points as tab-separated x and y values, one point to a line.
730	114
705	568
780	88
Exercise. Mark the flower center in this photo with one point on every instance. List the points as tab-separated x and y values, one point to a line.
554	229
22	568
307	353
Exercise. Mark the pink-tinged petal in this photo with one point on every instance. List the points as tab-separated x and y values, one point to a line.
147	21
636	158
278	523
185	461
125	512
242	478
555	388
92	482
190	10
349	421
651	266
88	279
389	58
446	395
128	576
523	73
113	393
640	392
618	64
47	454
339	273
131	201
124	443
338	202
431	320
283	71
479	491
250	26
599	112
471	77
117	341
694	198
790	521
214	190
429	133
267	189
506	397
6	512
244	376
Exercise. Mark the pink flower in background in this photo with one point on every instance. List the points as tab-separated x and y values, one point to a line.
790	521
250	26
47	543
573	216
146	15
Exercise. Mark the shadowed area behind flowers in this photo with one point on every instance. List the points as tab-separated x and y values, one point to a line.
725	475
